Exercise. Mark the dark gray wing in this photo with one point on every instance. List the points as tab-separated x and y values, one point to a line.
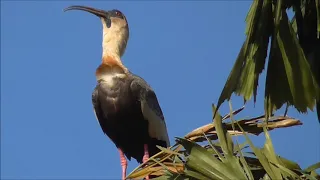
150	108
97	108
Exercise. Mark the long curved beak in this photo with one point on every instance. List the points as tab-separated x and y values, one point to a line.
97	12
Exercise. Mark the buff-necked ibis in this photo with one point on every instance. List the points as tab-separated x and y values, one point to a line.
125	106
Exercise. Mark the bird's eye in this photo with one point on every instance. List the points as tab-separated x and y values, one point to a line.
118	13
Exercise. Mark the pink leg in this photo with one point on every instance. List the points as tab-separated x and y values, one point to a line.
124	164
146	156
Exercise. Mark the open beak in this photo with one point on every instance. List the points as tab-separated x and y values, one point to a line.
97	12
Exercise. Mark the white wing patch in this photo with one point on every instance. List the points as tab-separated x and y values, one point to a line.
157	127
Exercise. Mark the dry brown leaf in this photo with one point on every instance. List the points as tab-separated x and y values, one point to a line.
157	170
251	126
199	131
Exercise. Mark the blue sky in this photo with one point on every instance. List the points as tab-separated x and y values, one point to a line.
185	50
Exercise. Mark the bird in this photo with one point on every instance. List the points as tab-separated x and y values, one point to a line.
125	105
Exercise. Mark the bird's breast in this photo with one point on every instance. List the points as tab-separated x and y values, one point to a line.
113	80
116	96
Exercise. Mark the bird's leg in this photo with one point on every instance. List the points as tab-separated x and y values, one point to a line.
146	153
146	156
124	164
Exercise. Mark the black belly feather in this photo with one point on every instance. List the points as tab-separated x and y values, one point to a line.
121	119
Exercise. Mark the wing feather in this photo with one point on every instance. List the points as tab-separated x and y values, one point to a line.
97	107
151	109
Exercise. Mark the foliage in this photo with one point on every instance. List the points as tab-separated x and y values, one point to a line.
224	159
292	78
289	78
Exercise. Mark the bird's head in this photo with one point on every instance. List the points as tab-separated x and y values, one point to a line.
115	29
